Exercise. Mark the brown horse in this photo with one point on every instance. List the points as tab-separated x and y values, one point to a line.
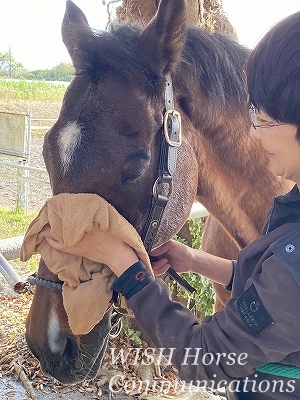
107	141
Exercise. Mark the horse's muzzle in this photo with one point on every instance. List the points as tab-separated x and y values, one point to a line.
76	358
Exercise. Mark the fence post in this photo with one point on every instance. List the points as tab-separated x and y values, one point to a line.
23	185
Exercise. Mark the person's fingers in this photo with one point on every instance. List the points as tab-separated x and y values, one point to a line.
161	249
59	246
160	271
160	267
54	243
159	263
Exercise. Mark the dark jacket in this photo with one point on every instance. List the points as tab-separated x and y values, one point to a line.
260	323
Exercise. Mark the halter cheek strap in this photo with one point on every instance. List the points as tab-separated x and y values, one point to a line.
162	188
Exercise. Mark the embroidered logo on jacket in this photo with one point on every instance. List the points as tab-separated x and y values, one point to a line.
253	312
140	276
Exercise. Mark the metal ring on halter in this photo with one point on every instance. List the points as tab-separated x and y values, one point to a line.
160	181
22	287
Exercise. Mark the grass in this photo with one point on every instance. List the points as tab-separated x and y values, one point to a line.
14	222
31	90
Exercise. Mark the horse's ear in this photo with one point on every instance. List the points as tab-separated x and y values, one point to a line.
163	39
75	30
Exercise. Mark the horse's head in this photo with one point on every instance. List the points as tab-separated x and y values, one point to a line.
107	140
108	135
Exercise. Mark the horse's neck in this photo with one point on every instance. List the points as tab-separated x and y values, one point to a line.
238	189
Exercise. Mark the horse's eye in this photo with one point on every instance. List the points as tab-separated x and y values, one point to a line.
128	178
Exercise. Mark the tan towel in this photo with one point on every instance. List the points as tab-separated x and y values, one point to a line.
87	285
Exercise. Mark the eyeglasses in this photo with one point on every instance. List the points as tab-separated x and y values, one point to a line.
255	120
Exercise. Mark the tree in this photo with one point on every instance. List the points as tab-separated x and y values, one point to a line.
61	72
9	67
207	14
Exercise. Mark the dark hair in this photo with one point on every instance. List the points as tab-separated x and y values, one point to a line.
273	72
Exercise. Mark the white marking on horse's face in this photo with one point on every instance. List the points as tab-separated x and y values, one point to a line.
54	341
69	139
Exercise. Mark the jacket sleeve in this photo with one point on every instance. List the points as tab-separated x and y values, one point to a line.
228	344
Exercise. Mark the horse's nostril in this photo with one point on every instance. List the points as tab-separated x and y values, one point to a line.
70	351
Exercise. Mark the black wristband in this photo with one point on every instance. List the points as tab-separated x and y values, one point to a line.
134	279
228	287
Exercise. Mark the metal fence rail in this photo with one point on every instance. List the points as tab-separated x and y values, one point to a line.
15	136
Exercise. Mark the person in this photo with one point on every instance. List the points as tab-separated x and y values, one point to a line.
252	346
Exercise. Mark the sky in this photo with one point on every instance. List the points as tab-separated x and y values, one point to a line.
32	28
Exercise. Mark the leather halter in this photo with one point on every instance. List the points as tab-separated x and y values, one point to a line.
162	187
161	192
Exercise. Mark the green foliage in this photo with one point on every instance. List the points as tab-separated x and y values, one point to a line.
205	295
14	222
31	91
132	334
196	228
61	72
9	67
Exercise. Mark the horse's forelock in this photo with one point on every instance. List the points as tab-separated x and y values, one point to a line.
116	50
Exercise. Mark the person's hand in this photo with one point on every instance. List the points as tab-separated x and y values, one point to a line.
101	247
172	254
183	258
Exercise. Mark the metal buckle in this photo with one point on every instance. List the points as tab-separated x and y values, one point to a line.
162	183
172	127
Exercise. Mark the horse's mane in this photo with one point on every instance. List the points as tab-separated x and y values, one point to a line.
216	60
